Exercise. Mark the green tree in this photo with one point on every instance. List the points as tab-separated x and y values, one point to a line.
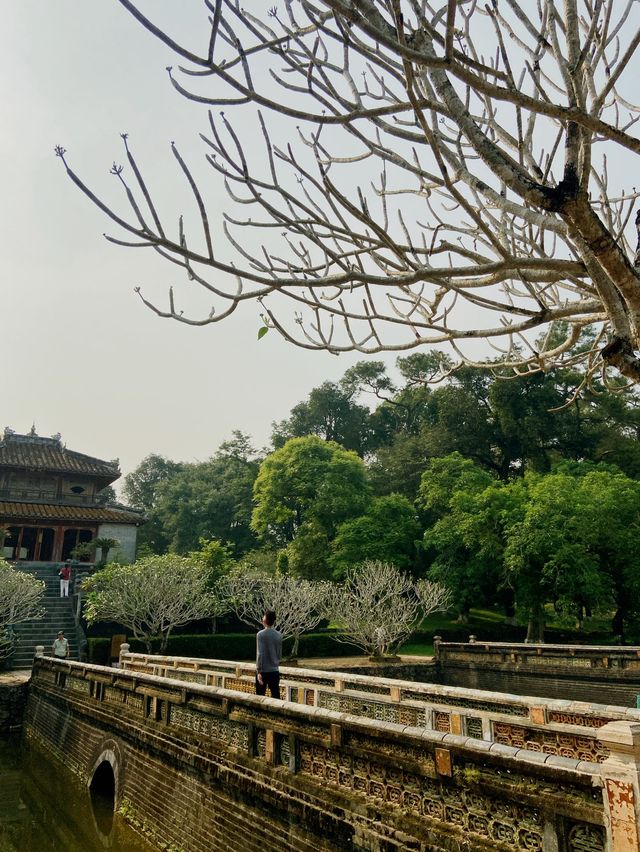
307	555
448	497
306	479
209	500
331	413
141	488
141	485
386	532
309	486
611	516
550	552
216	556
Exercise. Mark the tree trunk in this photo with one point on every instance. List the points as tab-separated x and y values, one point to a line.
535	627
510	608
617	623
463	615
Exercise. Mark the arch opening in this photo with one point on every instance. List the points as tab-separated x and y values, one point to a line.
102	790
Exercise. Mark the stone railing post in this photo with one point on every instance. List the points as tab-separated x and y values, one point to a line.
39	650
621	784
124	649
436	647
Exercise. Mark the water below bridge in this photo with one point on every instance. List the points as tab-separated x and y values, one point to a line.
46	809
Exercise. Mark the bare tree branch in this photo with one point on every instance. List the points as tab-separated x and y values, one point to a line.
421	173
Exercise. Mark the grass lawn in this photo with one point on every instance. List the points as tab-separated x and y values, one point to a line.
417	649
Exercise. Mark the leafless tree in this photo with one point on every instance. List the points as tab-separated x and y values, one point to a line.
431	172
152	596
20	600
298	604
377	606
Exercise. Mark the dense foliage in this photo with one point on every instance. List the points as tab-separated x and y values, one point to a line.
499	490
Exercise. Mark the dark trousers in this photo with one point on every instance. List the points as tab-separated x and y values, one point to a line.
271	680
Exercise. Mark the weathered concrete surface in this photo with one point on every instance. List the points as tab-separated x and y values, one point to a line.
13	699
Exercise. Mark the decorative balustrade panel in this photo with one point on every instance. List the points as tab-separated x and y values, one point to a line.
550	742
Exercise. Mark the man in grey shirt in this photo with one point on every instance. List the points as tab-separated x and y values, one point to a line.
60	647
268	656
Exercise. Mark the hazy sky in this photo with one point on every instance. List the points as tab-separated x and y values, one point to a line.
80	353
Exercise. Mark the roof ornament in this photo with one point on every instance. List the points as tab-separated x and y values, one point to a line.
57	437
33	433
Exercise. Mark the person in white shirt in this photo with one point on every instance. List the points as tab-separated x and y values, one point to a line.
61	647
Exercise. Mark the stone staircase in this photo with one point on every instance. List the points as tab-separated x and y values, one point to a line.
58	616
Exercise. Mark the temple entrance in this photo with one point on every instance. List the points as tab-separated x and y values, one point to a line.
43	544
72	538
30	543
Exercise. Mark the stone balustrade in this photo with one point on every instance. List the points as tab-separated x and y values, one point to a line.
565	728
340	775
584	672
589	657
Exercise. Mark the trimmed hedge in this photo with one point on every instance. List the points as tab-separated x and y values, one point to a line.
226	646
242	646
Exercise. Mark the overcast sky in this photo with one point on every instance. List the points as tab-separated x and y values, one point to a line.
80	353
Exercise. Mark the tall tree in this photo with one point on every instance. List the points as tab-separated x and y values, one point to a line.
141	488
211	499
307	488
330	413
387	531
448	497
501	137
141	485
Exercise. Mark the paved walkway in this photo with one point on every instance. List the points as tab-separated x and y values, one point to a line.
14	678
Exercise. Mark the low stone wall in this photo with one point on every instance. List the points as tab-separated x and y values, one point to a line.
536	724
13	699
574	672
202	767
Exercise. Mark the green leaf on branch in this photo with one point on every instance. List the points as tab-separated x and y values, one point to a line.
262	331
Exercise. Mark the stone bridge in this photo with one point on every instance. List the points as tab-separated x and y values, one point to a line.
198	762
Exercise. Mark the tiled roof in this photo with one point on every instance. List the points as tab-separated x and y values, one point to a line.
52	512
37	453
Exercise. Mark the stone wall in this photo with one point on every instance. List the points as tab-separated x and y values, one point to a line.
13	699
202	767
574	673
125	534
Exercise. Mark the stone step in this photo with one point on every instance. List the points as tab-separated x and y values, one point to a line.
58	616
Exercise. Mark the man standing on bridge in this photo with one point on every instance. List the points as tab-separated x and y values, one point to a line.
268	656
60	647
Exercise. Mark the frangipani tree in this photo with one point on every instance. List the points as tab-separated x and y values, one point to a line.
20	600
299	604
377	606
152	596
410	174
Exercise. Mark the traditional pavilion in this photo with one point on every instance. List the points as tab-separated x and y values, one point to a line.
49	500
